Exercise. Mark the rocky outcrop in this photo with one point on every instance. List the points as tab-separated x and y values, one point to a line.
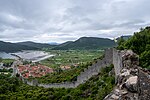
144	84
131	82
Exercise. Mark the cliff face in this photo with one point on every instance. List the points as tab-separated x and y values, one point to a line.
131	82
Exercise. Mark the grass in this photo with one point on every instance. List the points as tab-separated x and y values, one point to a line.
7	61
82	58
71	57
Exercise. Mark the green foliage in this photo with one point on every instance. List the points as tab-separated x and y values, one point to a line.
94	89
145	59
6	70
1	59
140	44
7	61
121	43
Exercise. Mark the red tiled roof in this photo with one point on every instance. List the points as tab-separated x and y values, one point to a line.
35	71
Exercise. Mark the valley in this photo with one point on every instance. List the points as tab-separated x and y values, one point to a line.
67	74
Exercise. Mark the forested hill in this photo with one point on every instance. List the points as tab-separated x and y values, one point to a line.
13	47
86	43
36	45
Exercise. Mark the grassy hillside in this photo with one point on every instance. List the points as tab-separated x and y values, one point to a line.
86	43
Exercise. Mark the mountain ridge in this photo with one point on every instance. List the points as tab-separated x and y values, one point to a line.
86	43
36	45
13	47
83	43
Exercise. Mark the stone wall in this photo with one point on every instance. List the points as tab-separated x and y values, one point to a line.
111	56
117	61
83	77
132	83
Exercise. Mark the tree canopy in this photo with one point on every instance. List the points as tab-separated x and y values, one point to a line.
140	44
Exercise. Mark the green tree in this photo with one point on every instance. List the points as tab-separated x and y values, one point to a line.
1	59
145	59
140	44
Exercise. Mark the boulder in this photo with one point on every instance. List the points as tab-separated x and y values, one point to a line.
131	83
125	72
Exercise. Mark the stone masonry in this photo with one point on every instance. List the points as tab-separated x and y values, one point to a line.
132	82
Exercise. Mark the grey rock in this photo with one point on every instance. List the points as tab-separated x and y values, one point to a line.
131	83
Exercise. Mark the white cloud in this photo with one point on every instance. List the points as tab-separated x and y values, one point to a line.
63	20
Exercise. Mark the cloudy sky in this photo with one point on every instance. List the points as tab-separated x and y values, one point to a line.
65	20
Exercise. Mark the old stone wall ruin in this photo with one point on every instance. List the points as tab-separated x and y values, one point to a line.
94	69
132	82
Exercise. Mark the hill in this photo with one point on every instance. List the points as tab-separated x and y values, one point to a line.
87	43
84	43
36	45
13	47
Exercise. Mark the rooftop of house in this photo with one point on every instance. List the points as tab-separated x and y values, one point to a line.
65	67
34	71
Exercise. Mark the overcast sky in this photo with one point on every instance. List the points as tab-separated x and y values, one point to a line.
65	20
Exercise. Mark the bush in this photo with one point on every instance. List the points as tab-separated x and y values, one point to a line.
140	44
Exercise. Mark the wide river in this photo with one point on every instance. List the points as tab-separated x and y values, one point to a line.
31	55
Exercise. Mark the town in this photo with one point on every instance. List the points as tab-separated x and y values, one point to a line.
33	70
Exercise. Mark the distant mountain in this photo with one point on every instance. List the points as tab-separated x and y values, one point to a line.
126	37
13	47
36	45
53	43
86	43
63	46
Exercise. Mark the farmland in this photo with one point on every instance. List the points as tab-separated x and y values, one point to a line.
75	60
71	57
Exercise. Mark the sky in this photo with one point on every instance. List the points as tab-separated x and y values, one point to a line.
58	21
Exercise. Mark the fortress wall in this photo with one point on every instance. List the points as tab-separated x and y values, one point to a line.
117	61
83	77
